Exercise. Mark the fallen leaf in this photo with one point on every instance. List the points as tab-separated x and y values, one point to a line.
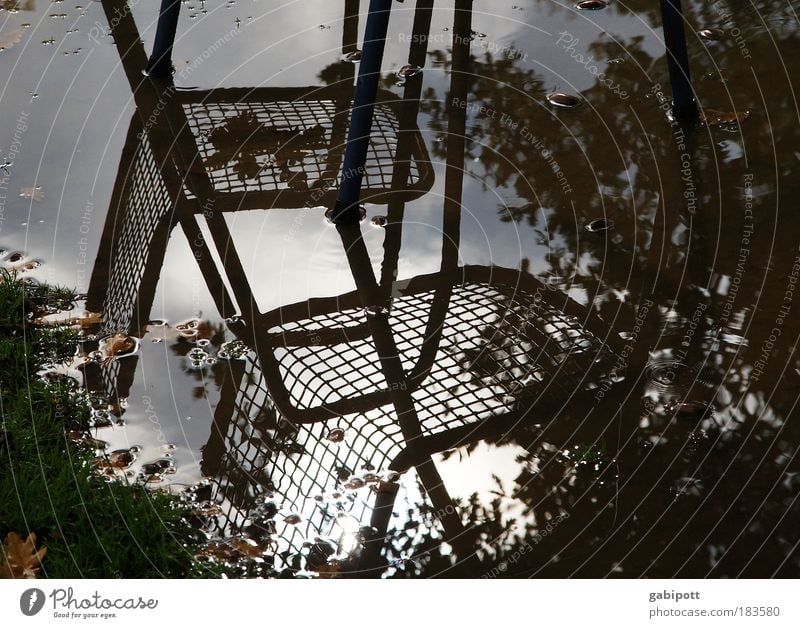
234	549
117	346
34	193
11	39
329	570
89	320
20	558
712	117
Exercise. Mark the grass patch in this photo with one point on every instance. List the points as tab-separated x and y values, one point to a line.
92	528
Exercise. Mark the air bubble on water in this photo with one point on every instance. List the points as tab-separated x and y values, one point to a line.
211	361
379	221
157	340
203	342
197	354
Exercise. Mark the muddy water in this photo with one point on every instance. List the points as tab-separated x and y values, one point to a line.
613	388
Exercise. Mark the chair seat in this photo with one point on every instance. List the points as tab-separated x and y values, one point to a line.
282	147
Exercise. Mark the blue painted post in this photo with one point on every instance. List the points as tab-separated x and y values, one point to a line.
369	72
160	63
684	107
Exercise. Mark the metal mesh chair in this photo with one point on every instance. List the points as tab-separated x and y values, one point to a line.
473	343
506	342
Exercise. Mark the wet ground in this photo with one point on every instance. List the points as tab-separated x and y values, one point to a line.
594	310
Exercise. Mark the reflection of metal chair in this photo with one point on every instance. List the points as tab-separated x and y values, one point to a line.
296	132
460	352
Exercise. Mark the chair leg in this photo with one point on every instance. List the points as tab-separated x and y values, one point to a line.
369	73
684	107
160	63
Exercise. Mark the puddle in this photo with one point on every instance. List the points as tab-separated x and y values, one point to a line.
565	349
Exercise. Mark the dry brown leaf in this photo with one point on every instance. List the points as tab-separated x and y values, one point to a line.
117	346
89	320
712	117
329	570
10	39
34	193
20	558
234	549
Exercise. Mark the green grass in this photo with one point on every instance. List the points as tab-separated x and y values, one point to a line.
92	528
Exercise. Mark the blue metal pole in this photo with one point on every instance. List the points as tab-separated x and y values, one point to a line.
160	64
369	72
684	107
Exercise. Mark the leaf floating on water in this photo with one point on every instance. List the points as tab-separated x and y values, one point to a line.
79	438
121	458
354	484
562	100
407	71
11	39
234	548
712	34
329	570
207	509
117	346
712	117
34	193
89	320
20	558
336	435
